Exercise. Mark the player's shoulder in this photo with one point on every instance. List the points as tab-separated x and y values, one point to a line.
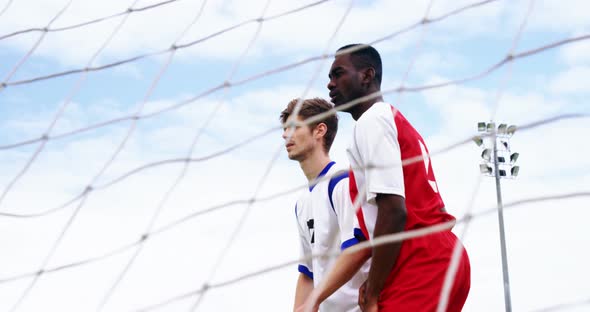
337	175
377	113
300	204
338	172
338	181
380	109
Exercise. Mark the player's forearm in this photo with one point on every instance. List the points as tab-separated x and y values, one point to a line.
303	289
391	218
345	267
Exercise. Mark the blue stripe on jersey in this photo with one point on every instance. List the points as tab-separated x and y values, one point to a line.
348	243
296	211
303	269
323	173
358	237
332	185
358	234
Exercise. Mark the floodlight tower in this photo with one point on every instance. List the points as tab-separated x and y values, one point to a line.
498	162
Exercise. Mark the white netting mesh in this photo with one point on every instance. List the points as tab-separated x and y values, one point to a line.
143	166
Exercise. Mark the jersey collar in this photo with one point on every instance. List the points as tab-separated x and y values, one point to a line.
323	173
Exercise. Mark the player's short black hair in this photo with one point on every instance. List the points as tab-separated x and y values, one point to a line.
365	56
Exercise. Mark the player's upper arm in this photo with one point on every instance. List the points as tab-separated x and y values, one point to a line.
305	265
350	232
377	142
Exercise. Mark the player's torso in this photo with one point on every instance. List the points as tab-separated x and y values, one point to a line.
318	219
315	213
423	201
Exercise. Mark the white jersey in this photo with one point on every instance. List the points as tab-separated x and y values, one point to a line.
327	222
383	137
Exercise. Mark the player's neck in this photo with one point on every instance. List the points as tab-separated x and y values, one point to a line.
361	108
314	164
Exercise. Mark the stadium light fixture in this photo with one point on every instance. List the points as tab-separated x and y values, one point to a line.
496	149
514	171
485	169
481	126
486	154
478	140
497	161
491	127
514	158
510	130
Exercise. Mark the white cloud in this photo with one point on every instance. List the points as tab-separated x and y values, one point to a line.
559	16
150	31
576	54
431	63
115	216
131	70
458	106
572	81
479	19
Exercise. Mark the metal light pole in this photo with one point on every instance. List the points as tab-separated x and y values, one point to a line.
498	156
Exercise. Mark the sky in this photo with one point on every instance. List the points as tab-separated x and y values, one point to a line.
216	218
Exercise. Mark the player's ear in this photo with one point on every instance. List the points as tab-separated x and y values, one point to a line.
368	76
321	129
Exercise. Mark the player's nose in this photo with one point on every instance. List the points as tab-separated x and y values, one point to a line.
331	84
286	133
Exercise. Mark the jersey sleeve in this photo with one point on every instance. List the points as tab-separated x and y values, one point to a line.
377	142
350	232
305	266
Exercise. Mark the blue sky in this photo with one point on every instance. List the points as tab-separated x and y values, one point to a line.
547	263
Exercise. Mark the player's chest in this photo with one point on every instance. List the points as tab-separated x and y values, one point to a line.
318	221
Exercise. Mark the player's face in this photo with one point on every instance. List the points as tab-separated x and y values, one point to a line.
345	84
301	143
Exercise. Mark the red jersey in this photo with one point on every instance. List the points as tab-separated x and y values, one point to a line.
383	139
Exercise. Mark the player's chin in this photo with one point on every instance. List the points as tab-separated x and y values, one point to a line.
293	156
334	100
337	101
